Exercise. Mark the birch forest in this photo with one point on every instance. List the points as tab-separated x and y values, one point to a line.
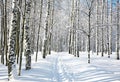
30	27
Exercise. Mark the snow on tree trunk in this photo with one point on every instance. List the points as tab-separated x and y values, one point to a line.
97	28
108	29
110	39
40	22
72	29
27	35
51	26
33	27
18	32
102	29
45	45
5	32
2	33
12	40
89	37
117	43
21	41
78	26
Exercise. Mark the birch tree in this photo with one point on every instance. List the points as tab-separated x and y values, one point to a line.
111	21
72	29
33	27
102	28
5	32
40	24
18	31
117	43
108	29
12	42
78	26
97	27
27	35
51	26
90	8
45	44
21	39
2	32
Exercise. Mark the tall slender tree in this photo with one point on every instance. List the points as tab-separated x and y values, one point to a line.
71	34
27	35
33	27
45	44
21	40
51	26
78	26
18	30
108	29
12	42
90	7
5	32
111	21
118	28
40	24
97	27
2	32
102	28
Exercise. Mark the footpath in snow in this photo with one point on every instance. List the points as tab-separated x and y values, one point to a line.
63	67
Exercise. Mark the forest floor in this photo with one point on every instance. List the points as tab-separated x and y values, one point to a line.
63	67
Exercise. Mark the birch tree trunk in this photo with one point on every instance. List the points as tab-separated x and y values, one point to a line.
71	31
77	34
89	28
12	42
27	35
108	29
102	46
117	43
45	44
74	29
97	28
5	32
33	48
70	34
110	39
51	26
2	33
40	22
21	40
18	31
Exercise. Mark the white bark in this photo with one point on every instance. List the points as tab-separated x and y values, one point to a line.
27	35
117	43
12	40
45	44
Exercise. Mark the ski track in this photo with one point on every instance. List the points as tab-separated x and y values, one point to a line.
70	72
60	73
63	67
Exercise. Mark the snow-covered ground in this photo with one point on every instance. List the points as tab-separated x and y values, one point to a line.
63	67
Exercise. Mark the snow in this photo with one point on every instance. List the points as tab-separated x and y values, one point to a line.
63	67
